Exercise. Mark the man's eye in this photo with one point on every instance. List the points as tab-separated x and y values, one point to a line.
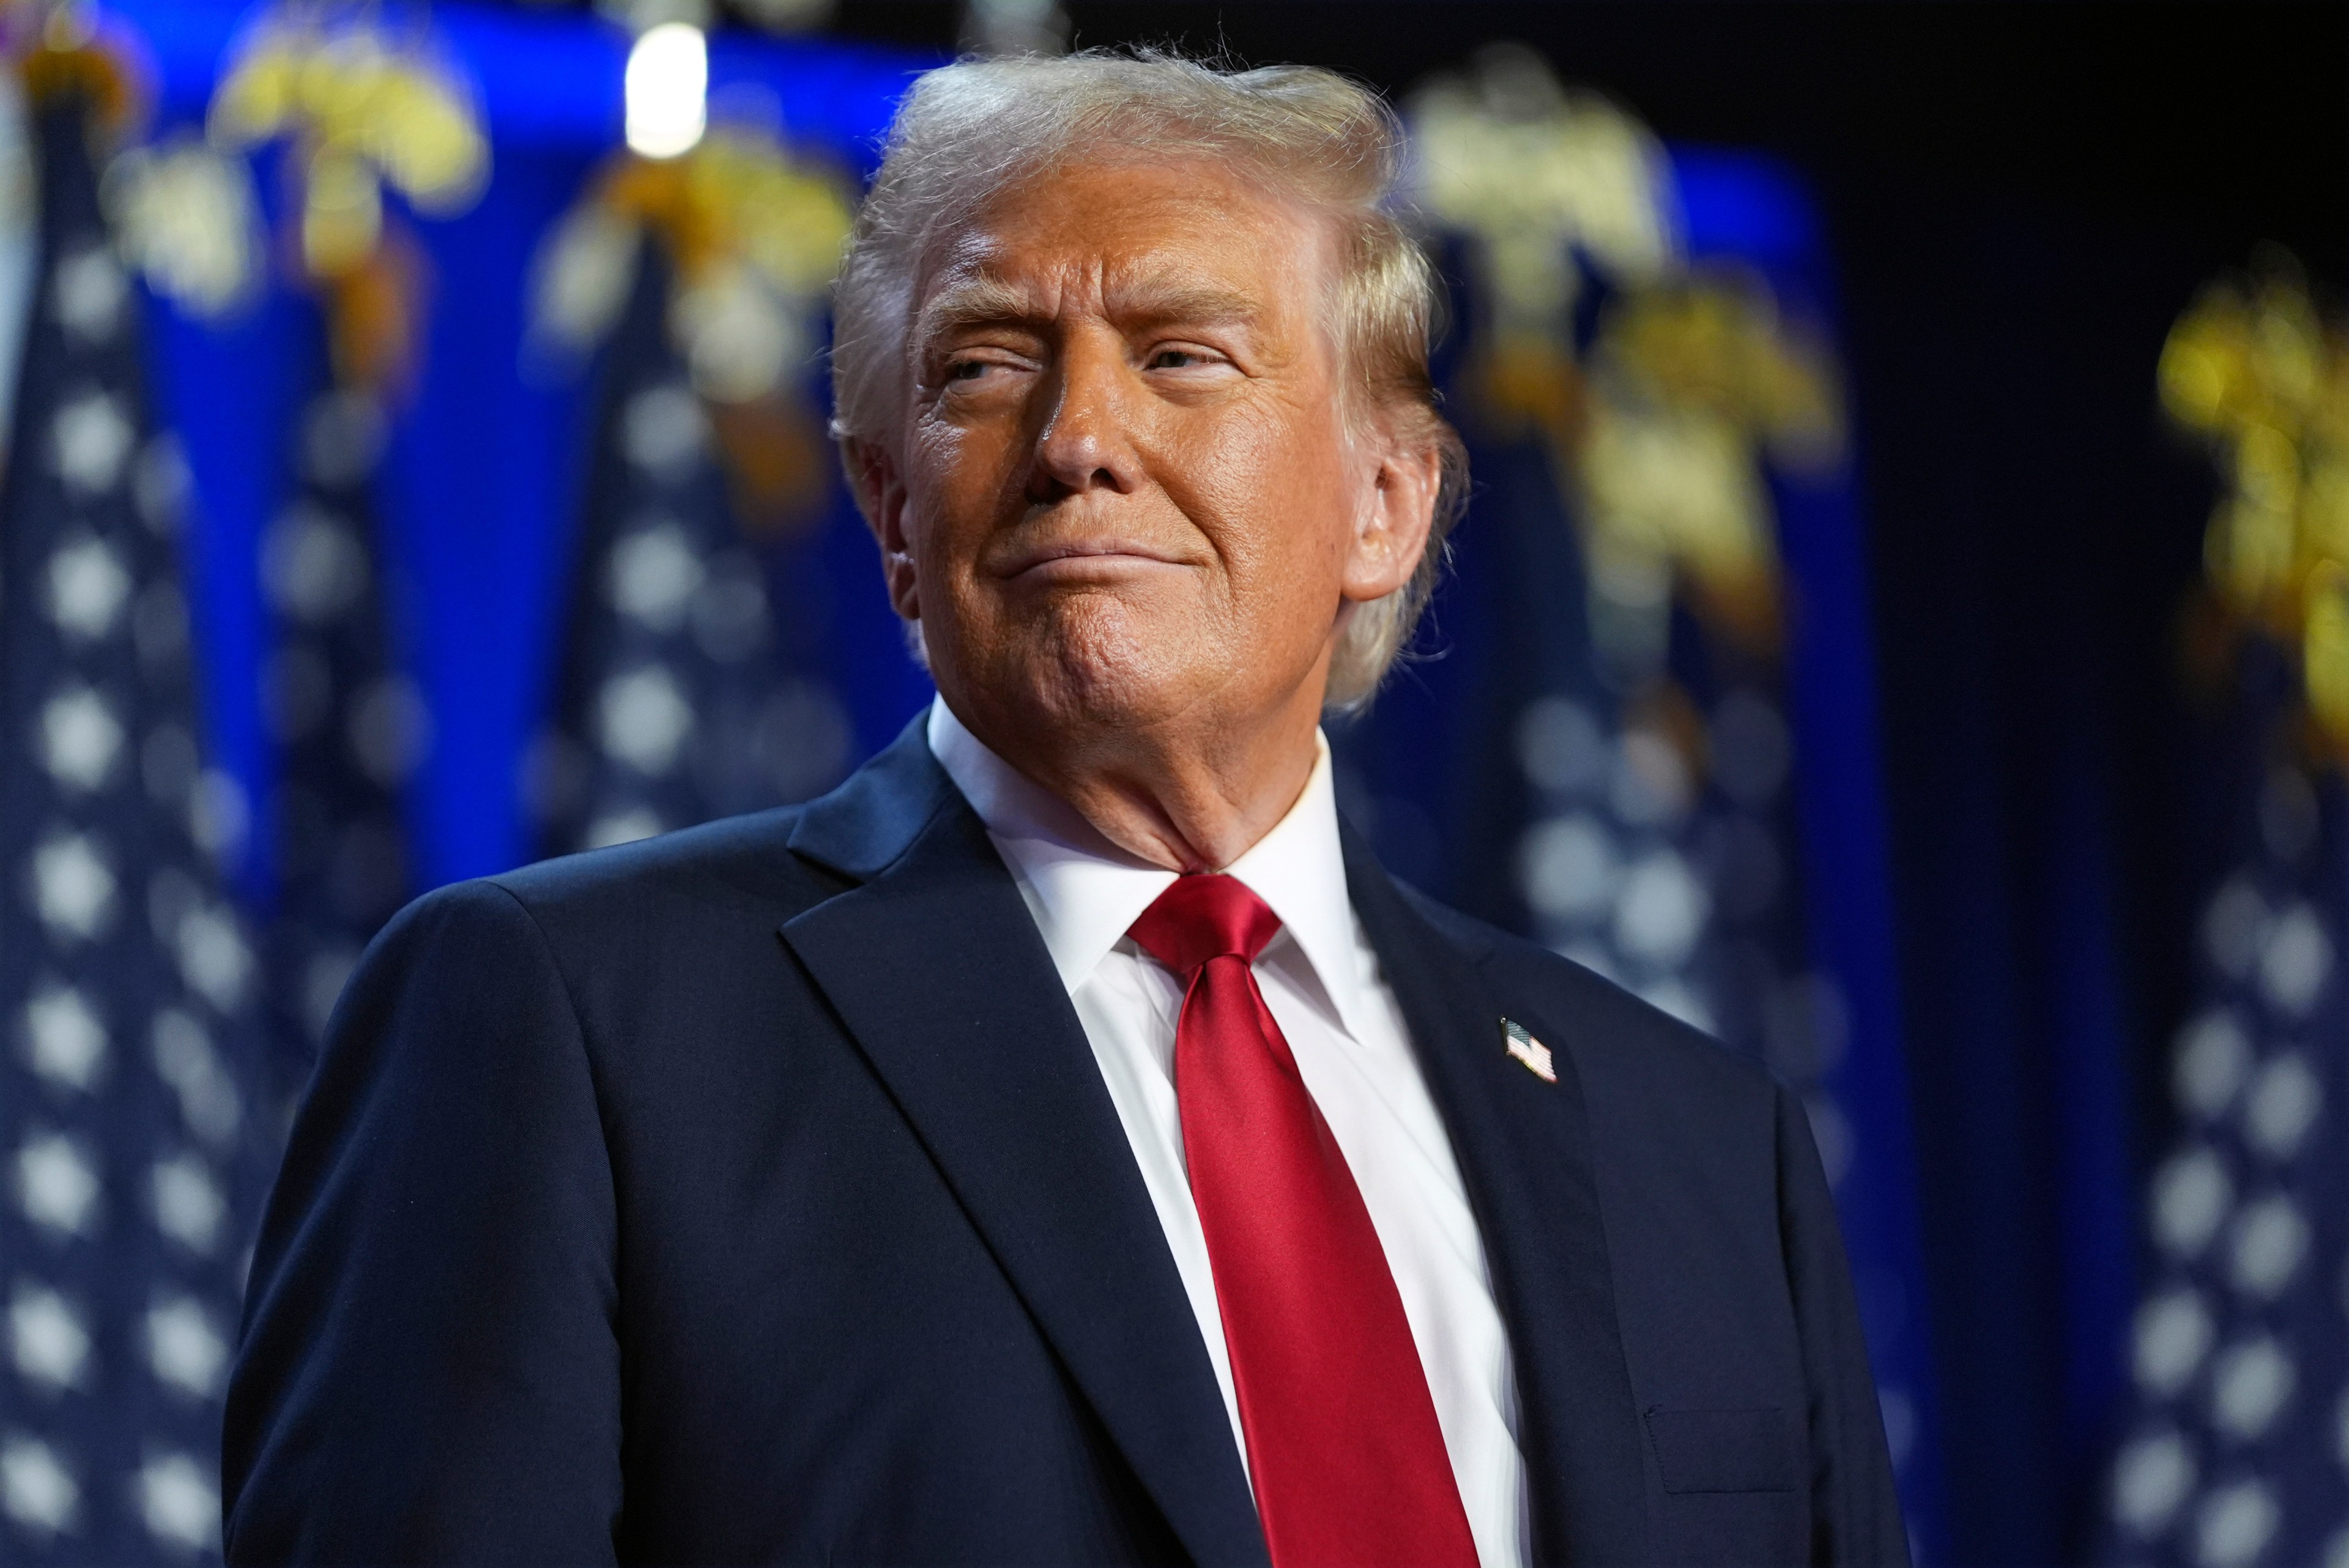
965	369
1173	359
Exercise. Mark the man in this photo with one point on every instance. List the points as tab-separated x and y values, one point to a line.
1063	1143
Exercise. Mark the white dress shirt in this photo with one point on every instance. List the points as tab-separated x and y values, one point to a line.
1322	984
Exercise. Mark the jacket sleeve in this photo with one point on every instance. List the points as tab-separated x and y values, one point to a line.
428	1371
1856	1520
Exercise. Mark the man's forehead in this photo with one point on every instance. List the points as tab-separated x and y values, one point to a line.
1153	247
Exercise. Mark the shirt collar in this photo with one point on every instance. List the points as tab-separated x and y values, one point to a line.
1084	892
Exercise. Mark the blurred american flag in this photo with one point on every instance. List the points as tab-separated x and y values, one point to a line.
2238	1451
348	726
134	1156
679	702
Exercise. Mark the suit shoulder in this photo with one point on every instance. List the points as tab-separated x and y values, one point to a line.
1619	1038
733	862
623	903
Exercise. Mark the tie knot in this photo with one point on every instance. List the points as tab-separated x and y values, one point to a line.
1202	918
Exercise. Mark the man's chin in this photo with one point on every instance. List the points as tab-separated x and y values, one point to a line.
1098	675
1114	690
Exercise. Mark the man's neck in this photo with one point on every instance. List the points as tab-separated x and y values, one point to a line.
1195	800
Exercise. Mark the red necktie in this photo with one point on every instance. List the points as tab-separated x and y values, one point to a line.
1342	1443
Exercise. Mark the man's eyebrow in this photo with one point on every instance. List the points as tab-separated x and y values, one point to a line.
974	301
1170	301
980	300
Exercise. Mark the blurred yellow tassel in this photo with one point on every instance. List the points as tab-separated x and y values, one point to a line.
2253	370
753	237
1660	429
358	112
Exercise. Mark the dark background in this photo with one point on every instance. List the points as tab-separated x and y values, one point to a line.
2020	200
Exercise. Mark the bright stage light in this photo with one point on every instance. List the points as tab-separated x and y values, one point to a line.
667	88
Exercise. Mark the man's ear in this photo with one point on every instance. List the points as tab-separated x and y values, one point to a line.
881	497
1390	534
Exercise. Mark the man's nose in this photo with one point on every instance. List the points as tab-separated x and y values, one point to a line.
1085	442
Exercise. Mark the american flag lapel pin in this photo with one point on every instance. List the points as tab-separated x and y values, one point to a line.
1529	1052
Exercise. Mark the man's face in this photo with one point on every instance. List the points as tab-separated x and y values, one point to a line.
1127	493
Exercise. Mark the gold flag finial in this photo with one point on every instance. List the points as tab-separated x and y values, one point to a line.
2255	371
1698	381
752	232
1660	423
180	213
358	110
65	48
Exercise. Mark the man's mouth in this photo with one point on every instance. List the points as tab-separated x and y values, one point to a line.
1084	559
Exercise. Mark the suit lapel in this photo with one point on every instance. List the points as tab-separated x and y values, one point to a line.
937	969
1525	1151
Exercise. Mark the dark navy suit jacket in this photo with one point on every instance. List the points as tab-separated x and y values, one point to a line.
752	1195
